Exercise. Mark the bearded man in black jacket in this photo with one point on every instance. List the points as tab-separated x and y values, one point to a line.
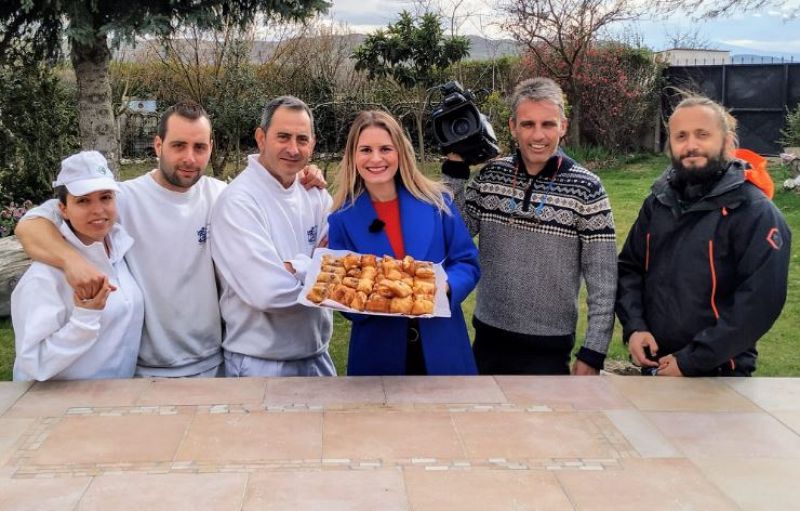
703	273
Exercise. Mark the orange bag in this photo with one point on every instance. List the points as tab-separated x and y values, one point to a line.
757	173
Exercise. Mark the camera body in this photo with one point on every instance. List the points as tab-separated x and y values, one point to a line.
461	128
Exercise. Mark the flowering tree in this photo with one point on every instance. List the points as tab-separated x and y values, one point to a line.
619	89
558	33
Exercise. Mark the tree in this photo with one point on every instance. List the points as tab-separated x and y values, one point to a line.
414	53
37	129
705	9
88	25
564	29
214	68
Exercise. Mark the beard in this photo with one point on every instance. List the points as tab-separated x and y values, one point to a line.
697	177
171	175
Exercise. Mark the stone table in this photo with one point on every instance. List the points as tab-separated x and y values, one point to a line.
402	443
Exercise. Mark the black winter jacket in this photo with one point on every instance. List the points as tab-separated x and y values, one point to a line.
709	280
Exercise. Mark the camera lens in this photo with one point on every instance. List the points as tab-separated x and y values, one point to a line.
461	126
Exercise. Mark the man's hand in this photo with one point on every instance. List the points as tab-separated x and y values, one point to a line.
581	368
668	366
84	278
98	301
636	345
454	157
312	177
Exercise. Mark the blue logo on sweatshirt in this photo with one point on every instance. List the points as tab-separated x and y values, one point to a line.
311	234
202	234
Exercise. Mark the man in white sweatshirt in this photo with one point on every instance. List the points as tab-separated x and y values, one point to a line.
265	227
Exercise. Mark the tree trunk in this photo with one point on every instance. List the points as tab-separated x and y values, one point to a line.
95	113
421	135
13	263
575	123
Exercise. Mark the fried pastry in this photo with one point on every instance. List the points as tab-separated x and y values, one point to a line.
369	272
350	282
399	288
330	260
318	293
377	303
389	265
394	274
359	301
343	294
365	285
368	283
409	265
401	305
422	307
425	272
384	290
423	286
336	270
368	261
327	278
351	261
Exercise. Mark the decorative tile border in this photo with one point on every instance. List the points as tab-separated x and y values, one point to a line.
22	467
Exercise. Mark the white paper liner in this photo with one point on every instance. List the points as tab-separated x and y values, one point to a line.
441	306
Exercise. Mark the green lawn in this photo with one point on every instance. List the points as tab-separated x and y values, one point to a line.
627	186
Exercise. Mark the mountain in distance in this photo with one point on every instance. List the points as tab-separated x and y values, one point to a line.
743	55
481	48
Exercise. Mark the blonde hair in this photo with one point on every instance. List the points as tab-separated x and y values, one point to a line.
727	122
349	183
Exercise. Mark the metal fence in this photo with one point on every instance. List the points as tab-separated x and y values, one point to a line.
758	95
137	130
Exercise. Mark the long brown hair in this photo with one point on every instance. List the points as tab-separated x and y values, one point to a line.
349	184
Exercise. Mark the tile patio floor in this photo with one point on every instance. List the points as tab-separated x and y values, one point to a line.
402	443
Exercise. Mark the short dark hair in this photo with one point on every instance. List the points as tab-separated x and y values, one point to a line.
188	109
289	102
60	193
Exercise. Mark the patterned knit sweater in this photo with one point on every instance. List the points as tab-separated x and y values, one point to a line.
538	235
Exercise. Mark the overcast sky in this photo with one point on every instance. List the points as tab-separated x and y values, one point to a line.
764	32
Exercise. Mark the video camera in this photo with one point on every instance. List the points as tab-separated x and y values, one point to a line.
461	128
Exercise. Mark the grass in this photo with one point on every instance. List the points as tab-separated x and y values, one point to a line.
627	183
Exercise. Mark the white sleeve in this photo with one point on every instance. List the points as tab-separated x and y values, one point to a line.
302	262
47	210
245	256
48	338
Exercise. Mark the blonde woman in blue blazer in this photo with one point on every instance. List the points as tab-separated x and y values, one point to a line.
385	205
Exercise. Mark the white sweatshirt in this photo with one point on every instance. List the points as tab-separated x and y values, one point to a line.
171	262
258	224
56	340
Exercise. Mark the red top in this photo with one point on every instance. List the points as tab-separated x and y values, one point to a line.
389	213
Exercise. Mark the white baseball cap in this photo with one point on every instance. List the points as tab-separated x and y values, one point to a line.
84	173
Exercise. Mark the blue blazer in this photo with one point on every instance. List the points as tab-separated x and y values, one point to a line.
378	343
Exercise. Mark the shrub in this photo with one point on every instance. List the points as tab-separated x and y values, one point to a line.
10	214
38	128
791	133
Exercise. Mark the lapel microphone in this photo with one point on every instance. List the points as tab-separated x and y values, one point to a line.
377	225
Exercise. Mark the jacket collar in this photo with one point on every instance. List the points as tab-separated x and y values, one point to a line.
559	162
417	222
720	194
118	239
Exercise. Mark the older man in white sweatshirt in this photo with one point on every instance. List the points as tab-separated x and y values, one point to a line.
265	228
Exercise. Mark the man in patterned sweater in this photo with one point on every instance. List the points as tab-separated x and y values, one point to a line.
544	223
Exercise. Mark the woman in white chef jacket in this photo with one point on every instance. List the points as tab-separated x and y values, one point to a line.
59	334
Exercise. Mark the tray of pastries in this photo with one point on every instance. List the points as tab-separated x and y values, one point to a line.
369	284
